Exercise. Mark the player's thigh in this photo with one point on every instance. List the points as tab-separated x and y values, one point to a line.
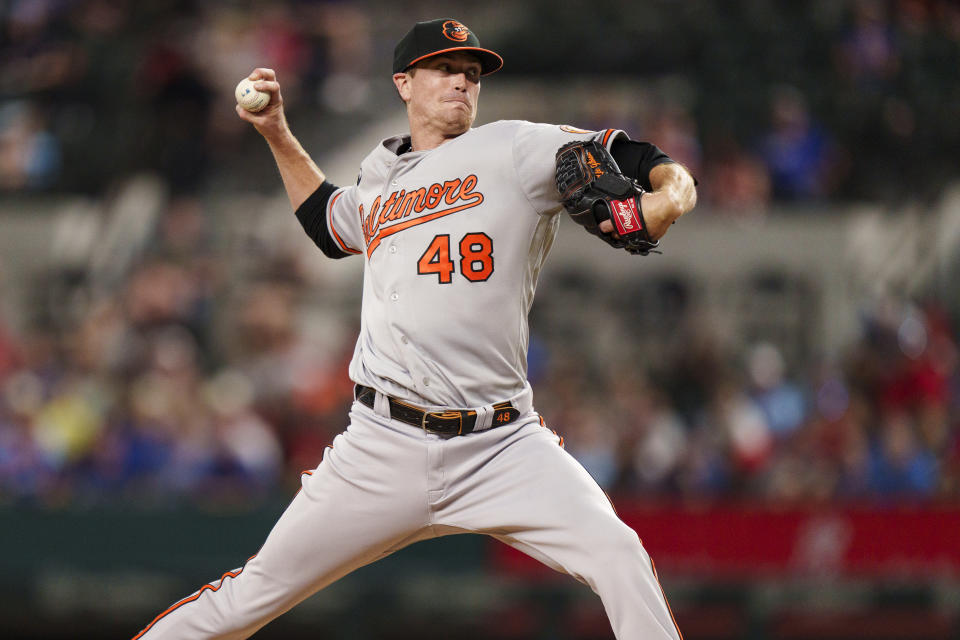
531	483
354	508
553	510
363	500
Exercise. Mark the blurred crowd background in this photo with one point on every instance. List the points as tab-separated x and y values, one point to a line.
173	376
776	102
171	341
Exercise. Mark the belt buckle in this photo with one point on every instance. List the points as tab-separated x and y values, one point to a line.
444	415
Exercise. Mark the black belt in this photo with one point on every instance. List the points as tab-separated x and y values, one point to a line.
455	422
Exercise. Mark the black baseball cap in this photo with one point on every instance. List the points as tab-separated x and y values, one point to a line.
443	35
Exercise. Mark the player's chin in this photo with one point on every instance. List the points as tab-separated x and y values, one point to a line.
458	123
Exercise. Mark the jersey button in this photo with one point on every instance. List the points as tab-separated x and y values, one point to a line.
426	382
393	249
404	340
394	296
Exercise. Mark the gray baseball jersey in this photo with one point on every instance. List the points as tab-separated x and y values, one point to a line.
454	239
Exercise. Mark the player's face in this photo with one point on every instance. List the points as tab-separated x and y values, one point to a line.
443	93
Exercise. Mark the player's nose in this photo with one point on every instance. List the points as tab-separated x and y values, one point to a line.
459	80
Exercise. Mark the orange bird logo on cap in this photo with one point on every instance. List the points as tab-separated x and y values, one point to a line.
455	31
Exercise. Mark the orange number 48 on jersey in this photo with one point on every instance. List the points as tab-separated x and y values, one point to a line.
476	258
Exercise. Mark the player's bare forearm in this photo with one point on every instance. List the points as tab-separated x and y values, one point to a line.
673	195
299	173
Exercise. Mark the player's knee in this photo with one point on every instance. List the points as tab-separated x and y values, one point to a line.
616	546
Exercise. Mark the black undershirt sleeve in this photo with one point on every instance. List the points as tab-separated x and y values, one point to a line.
636	159
312	214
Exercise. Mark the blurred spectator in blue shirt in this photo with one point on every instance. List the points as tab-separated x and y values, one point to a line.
898	465
798	152
781	401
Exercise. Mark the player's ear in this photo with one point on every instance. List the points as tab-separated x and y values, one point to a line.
402	82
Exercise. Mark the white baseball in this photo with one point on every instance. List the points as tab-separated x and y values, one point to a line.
249	98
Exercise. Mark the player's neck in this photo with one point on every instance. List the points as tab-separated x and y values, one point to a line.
426	135
425	141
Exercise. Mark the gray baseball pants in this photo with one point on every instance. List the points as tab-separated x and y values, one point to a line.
384	485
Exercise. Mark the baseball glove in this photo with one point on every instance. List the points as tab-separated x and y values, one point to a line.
592	190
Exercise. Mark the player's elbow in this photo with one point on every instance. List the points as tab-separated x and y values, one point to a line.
664	207
678	189
684	192
689	199
331	250
681	199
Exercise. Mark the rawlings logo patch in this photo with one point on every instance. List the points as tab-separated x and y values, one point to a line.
455	31
625	215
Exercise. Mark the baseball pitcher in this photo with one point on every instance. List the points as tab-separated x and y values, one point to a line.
453	224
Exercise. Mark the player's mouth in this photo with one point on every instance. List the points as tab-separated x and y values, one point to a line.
462	101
